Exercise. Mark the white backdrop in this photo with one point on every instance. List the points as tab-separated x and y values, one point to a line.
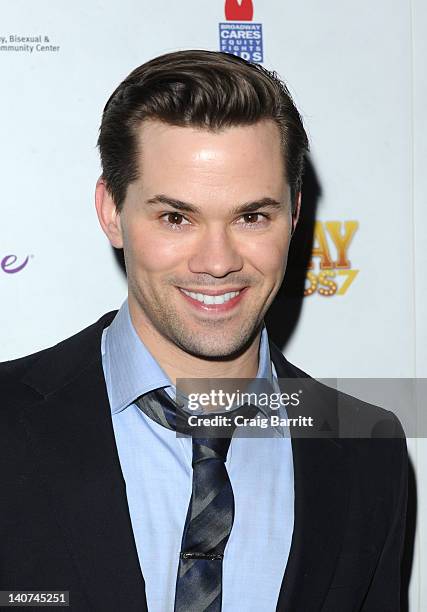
357	73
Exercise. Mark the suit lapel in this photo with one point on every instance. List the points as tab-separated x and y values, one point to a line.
72	437
322	482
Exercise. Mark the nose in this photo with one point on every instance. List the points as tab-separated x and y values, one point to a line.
216	253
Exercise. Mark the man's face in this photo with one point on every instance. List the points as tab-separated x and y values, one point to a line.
205	231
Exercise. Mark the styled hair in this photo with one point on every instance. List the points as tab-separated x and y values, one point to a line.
197	88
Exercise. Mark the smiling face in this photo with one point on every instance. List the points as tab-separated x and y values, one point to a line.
210	214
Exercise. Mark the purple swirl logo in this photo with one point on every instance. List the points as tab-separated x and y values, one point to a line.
11	264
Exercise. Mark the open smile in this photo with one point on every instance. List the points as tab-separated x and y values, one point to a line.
214	301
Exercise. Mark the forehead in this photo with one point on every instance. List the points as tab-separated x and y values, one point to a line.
236	156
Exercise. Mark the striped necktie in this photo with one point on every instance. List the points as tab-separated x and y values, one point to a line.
210	513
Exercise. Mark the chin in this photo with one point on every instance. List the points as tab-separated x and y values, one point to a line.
210	349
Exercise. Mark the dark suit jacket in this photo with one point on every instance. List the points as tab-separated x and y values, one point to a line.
64	519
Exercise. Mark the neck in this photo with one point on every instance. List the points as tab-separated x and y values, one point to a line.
179	364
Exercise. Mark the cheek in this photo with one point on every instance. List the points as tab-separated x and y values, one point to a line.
147	252
269	257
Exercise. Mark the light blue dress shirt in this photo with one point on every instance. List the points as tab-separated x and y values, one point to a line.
156	466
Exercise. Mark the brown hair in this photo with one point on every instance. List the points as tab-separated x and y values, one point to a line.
207	89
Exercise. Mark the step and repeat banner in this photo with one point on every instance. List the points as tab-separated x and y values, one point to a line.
356	71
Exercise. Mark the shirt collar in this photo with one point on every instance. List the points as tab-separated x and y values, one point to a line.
131	370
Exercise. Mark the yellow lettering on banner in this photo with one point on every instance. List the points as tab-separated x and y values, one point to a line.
351	275
322	249
340	241
329	287
328	233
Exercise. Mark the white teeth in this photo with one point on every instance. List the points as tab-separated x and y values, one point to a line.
212	299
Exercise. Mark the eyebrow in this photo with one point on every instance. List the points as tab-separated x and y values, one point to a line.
247	207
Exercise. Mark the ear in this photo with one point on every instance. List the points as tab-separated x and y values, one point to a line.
295	214
108	216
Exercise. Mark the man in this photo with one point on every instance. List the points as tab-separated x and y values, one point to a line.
202	157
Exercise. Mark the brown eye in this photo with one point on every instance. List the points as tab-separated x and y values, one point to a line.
258	220
251	217
174	218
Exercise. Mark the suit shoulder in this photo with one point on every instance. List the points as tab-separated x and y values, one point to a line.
13	370
381	422
48	363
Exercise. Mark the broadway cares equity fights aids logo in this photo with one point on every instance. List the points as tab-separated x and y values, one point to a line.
330	271
239	35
